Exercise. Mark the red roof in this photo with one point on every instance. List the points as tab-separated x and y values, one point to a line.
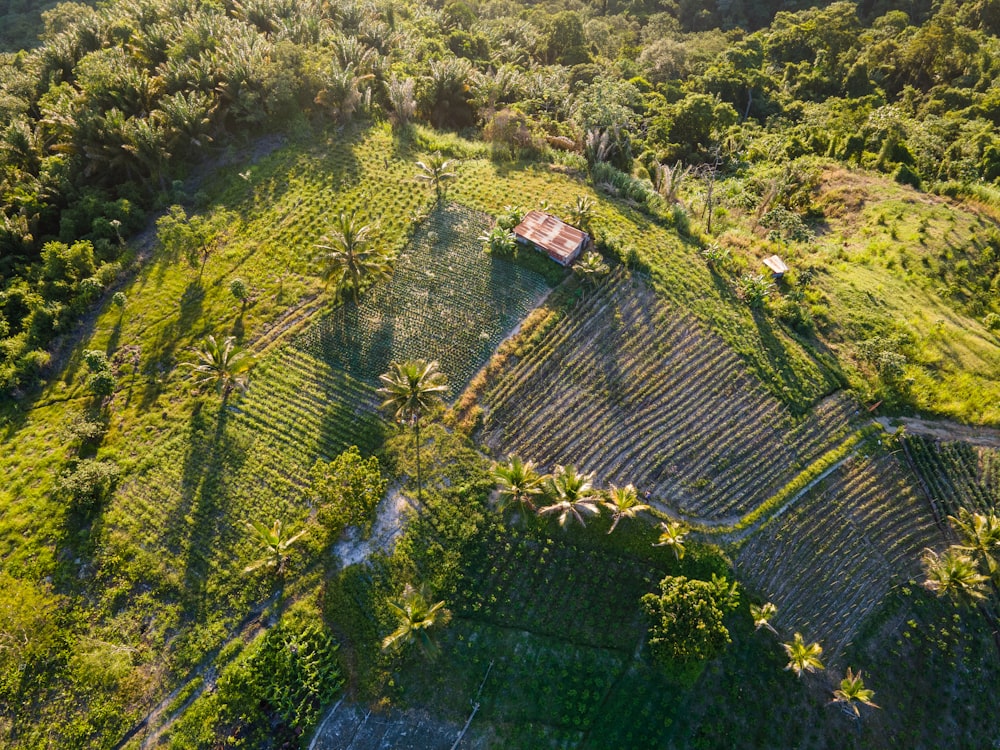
557	238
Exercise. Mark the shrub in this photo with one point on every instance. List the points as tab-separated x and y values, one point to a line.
754	288
992	322
686	618
89	483
905	175
348	489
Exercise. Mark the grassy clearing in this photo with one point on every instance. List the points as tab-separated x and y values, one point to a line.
881	260
620	383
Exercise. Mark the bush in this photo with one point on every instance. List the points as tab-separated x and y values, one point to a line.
686	618
102	383
754	288
89	483
905	175
348	489
992	322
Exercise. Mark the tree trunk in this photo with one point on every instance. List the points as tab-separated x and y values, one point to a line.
416	447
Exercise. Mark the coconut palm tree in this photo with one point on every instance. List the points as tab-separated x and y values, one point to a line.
762	615
623	502
581	214
275	544
672	535
591	268
852	692
802	656
410	390
980	533
347	256
417	618
436	171
519	484
223	366
572	495
955	574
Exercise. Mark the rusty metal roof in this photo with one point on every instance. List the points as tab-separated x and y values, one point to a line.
557	238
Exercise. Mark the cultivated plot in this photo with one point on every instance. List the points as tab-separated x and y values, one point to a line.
831	559
956	475
447	300
631	388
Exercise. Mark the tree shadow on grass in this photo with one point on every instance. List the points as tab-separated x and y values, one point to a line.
213	456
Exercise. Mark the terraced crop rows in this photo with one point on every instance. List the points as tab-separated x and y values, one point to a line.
833	557
447	300
302	404
957	475
628	387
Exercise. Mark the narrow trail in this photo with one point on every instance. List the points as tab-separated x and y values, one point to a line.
943	429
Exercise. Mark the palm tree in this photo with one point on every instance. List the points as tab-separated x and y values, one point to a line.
802	656
417	617
410	390
572	495
519	484
591	268
980	534
954	573
762	615
582	213
852	692
672	535
223	366
402	102
347	256
623	502
275	545
436	172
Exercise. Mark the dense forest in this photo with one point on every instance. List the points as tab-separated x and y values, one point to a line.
190	399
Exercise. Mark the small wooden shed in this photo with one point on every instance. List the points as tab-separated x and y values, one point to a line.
777	266
555	237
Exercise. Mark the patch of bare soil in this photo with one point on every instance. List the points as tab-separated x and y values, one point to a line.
390	516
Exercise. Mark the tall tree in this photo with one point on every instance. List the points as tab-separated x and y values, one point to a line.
762	614
623	502
672	535
409	390
571	494
980	534
803	657
954	574
347	255
223	366
518	483
417	619
853	693
437	171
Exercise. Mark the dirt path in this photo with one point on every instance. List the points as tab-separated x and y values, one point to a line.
943	429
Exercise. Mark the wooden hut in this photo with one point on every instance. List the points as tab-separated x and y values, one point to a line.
554	237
